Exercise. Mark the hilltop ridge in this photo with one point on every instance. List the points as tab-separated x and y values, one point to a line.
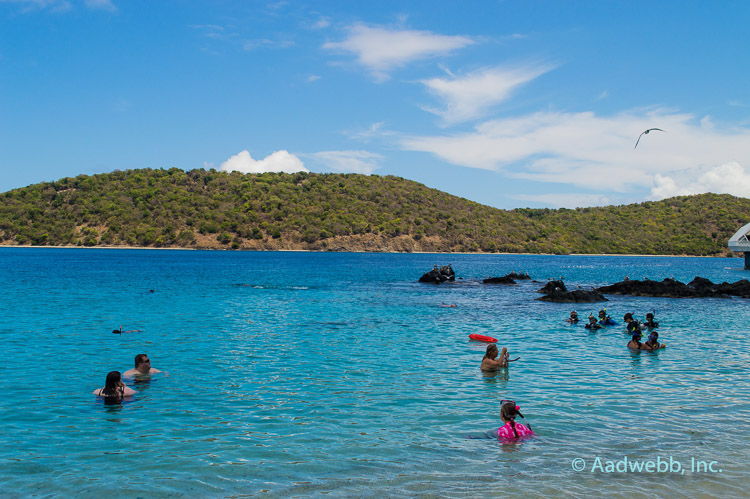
344	212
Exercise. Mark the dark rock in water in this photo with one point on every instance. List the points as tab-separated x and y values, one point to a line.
519	276
553	286
438	275
506	279
670	288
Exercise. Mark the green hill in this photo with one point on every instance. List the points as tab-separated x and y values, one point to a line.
344	212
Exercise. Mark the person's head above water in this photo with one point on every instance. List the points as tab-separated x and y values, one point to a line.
592	319
491	352
508	412
627	317
574	315
602	314
653	337
649	316
112	385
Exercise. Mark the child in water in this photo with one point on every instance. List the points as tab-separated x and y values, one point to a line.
652	343
592	323
512	430
650	323
573	319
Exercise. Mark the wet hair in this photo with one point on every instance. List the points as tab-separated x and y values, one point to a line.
139	359
649	315
509	411
491	351
574	314
592	318
112	388
637	338
627	316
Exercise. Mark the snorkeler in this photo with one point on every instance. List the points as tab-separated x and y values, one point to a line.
512	430
650	323
592	323
604	319
573	319
491	361
652	343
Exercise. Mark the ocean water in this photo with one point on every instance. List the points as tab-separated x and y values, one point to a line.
338	374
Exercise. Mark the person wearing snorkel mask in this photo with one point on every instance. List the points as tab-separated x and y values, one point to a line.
635	342
650	323
573	319
652	343
592	323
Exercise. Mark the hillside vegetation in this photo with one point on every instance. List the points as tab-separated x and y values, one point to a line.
344	212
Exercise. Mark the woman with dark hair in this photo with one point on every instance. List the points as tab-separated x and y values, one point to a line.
650	322
512	430
114	388
635	342
491	362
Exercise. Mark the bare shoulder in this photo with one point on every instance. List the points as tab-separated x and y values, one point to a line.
98	391
154	370
130	372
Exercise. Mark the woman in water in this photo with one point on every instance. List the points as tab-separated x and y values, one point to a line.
114	388
652	343
635	343
510	429
491	362
573	319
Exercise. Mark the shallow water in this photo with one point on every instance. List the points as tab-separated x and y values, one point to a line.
301	374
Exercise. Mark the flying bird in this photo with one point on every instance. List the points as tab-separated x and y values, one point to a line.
645	133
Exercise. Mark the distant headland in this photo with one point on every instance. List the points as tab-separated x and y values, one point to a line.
209	209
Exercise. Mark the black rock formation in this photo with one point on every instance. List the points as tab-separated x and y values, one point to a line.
506	279
558	293
671	288
438	275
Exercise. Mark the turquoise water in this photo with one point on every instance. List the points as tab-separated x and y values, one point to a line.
299	374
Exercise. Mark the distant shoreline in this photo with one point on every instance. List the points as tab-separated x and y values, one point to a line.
352	251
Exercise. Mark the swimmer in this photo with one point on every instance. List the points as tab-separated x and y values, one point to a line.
114	389
512	430
448	305
650	323
142	366
120	331
635	342
592	323
627	318
491	361
652	343
573	319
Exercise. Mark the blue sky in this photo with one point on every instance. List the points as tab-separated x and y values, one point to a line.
507	103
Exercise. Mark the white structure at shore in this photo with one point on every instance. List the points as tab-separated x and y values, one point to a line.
740	242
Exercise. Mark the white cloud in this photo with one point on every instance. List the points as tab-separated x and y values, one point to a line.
349	161
381	50
322	22
729	178
585	150
279	161
473	95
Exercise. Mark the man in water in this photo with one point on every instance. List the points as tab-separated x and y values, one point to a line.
142	366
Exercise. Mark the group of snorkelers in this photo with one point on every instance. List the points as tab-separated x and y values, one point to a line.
633	327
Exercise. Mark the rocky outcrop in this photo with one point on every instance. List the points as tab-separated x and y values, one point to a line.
555	291
439	275
671	288
506	279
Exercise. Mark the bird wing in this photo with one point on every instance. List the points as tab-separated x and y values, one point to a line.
639	139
